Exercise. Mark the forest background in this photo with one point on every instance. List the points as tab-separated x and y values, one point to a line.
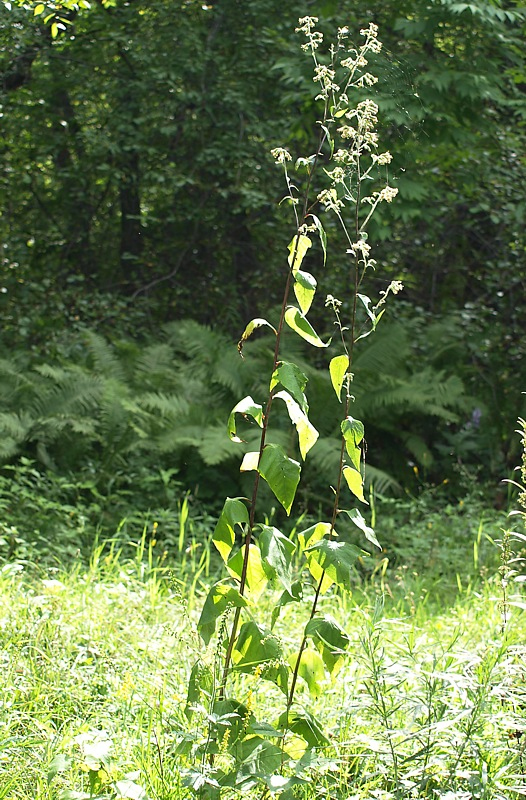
140	227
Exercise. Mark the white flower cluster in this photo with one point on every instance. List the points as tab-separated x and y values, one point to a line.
329	199
280	155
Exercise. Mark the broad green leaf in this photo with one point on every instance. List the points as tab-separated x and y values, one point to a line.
293	380
305	725
322	234
276	553
220	596
258	759
311	669
313	534
335	558
232	716
246	407
353	433
359	521
249	330
258	648
281	473
354	482
256	579
39	9
338	369
307	433
201	682
297	249
234	513
250	461
302	327
330	639
304	289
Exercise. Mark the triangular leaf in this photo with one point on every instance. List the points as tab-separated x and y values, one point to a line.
302	327
234	513
354	482
359	521
335	558
307	433
305	725
297	249
293	380
330	639
281	473
256	646
338	369
246	407
276	553
353	433
304	289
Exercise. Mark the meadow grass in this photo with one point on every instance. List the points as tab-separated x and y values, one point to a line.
95	658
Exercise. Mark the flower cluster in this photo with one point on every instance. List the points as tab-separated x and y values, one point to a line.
281	155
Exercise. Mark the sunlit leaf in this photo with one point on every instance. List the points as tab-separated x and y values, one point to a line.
256	646
338	369
354	481
297	249
276	552
304	289
220	596
330	639
256	578
298	323
305	725
281	473
335	558
293	380
311	669
359	521
234	513
307	433
248	408
322	234
353	433
249	330
250	461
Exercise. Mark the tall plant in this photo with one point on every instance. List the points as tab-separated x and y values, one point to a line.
239	750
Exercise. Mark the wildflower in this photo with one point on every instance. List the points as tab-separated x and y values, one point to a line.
360	247
329	198
388	194
395	287
306	24
337	175
281	155
382	158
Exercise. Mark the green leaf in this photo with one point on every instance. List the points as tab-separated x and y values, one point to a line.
39	9
305	725
276	553
359	521
297	249
60	763
330	639
256	578
307	433
259	760
313	534
304	289
302	327
311	670
335	558
246	407
281	473
249	330
293	380
353	433
256	646
354	482
220	596
234	513
322	234
338	369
